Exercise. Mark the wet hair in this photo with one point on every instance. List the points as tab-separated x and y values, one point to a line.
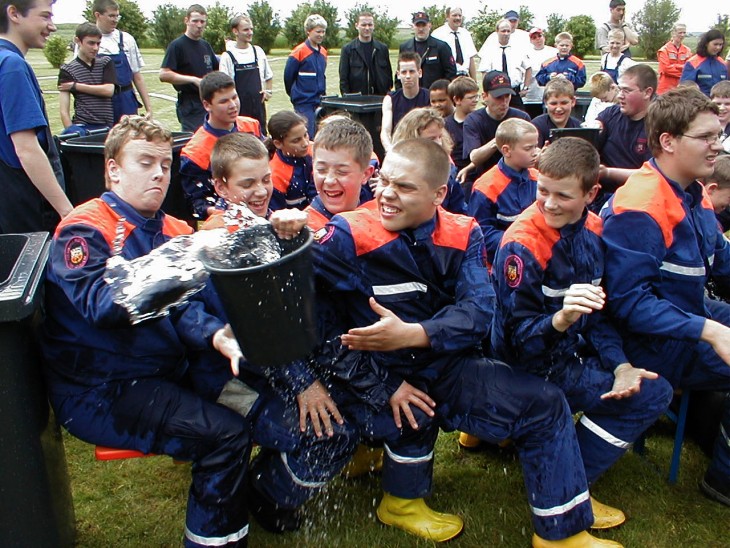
600	83
23	6
513	130
101	6
407	56
279	126
721	175
461	85
705	39
571	157
563	36
238	19
313	21
645	76
346	134
440	84
87	29
212	83
417	120
129	128
721	89
557	87
673	112
196	8
230	148
430	160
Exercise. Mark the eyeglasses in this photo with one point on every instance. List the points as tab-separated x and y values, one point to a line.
627	91
709	138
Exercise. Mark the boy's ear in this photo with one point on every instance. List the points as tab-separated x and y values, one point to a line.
506	151
591	194
207	106
221	188
440	195
367	174
711	187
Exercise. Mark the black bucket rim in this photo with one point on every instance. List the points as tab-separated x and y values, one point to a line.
282	260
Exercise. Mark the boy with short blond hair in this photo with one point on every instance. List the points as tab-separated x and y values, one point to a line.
464	93
604	92
504	191
549	318
564	65
341	160
559	101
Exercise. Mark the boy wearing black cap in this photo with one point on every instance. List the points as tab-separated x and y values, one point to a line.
480	126
436	59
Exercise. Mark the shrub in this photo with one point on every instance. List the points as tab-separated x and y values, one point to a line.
266	24
167	24
583	30
56	50
218	27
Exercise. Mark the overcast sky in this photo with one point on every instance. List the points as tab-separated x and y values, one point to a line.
697	19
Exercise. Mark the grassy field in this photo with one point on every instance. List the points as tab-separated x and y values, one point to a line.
141	502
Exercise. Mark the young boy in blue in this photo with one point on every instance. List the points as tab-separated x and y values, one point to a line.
549	320
559	99
411	286
220	101
564	65
504	191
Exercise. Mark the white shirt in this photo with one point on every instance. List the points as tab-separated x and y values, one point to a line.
468	49
110	46
518	61
244	56
518	37
609	62
537	56
595	107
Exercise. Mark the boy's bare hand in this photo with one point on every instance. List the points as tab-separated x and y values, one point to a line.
627	381
316	403
579	299
288	223
403	398
388	333
225	343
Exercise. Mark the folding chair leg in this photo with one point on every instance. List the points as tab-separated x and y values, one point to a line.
681	420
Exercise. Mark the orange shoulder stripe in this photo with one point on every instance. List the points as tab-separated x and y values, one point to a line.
453	230
199	148
492	183
315	219
531	231
281	174
577	60
100	216
367	231
648	191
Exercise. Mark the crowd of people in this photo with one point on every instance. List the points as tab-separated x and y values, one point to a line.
487	275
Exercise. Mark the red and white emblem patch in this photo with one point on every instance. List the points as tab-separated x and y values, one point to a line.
513	268
76	253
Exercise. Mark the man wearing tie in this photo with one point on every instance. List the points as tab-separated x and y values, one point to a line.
510	59
459	40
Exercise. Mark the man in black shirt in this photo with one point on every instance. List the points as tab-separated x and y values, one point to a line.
365	63
436	59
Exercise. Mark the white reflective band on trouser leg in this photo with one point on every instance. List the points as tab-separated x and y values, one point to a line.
301	483
563	508
723	433
216	541
601	433
407	460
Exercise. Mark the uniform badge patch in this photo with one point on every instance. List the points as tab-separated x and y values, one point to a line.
324	234
513	267
76	253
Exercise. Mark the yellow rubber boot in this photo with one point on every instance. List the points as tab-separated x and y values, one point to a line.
364	461
582	540
467	441
414	516
606	517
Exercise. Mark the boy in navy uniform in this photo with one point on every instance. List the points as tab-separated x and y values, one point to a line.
656	282
549	317
506	190
221	102
559	99
410	282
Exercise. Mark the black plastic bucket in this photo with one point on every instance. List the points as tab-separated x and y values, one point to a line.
271	307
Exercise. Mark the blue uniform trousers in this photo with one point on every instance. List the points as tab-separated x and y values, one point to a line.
492	401
692	366
608	427
293	466
155	415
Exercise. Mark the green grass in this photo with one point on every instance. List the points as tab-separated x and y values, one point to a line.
141	502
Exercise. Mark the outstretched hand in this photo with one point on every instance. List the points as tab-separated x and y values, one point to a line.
288	223
627	381
388	333
225	342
